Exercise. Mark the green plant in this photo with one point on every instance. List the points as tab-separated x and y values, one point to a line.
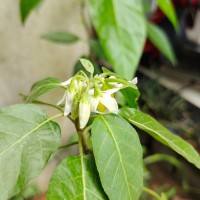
109	164
110	168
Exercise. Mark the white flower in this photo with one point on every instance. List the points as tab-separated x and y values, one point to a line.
68	98
84	113
105	103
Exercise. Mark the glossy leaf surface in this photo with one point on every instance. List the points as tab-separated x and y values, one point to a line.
43	87
118	156
160	133
121	28
76	178
160	40
61	37
27	140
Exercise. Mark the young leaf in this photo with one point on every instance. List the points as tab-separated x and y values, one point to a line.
118	156
78	66
122	32
26	6
76	178
43	87
160	133
160	40
87	65
167	7
61	37
27	140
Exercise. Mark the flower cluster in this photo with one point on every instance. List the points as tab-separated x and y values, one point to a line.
84	95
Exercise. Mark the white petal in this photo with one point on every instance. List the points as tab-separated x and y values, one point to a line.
68	103
93	104
68	106
84	114
110	91
63	99
134	81
67	82
110	103
119	86
91	92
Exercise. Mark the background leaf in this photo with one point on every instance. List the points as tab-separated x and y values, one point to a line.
160	133
168	9
97	49
131	96
121	28
43	87
26	6
61	37
160	40
118	156
76	178
27	140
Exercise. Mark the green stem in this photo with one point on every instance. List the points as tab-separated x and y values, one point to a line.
42	103
83	17
87	129
159	157
67	145
82	139
151	192
80	144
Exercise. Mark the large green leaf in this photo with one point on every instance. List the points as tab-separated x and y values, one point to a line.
26	6
160	133
61	37
167	7
121	28
76	178
43	87
160	40
118	156
27	140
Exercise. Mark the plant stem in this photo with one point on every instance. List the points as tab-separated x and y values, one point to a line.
56	116
83	17
151	192
82	138
42	103
67	145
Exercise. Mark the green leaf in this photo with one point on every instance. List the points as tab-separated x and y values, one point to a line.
131	96
43	87
76	178
97	48
27	140
26	6
78	67
121	28
168	9
61	37
160	40
118	156
87	65
160	133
